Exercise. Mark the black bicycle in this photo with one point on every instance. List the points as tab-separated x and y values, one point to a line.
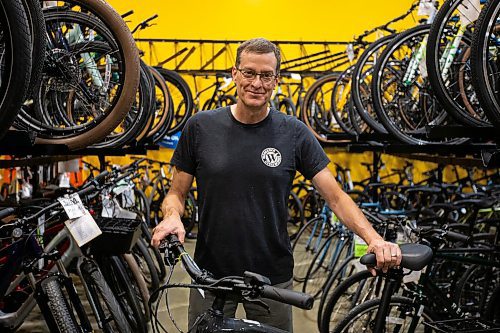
250	286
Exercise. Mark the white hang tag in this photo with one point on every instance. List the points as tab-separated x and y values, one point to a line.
26	190
64	180
128	198
296	76
73	206
469	11
119	212
83	229
426	8
350	52
120	187
108	206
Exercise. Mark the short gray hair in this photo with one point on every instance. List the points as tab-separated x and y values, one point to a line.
259	46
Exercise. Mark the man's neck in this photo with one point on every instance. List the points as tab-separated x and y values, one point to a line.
247	115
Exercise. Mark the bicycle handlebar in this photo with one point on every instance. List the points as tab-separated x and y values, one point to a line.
298	299
6	212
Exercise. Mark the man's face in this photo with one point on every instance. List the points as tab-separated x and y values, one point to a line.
256	92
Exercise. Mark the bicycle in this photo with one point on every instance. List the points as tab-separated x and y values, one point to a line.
251	286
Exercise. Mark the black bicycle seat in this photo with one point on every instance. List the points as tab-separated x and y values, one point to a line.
415	257
478	203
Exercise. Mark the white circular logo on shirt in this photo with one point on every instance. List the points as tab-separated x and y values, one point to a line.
271	157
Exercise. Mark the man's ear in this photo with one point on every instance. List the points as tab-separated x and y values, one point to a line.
234	71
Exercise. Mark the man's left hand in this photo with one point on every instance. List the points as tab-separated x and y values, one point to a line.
388	255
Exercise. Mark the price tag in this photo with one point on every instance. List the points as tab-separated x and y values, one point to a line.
73	206
83	229
360	247
296	76
469	11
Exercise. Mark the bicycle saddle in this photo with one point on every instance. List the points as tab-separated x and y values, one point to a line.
478	203
415	257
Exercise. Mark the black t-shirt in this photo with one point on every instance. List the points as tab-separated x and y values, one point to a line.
244	174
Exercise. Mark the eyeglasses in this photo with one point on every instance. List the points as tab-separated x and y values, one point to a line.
265	77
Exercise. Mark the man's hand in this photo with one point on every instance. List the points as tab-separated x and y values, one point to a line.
388	255
171	224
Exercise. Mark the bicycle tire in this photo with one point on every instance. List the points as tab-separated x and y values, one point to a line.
117	278
99	290
405	304
295	215
16	70
162	106
139	283
134	122
59	317
146	265
303	247
287	106
182	99
130	56
38	33
483	69
441	26
409	128
341	101
364	106
339	309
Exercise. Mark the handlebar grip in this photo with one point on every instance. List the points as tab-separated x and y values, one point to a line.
455	236
86	190
102	175
368	259
6	212
295	298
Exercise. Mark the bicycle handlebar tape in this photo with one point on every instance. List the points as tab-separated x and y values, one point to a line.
415	257
295	298
86	190
6	212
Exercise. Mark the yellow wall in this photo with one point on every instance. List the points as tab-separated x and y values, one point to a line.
313	20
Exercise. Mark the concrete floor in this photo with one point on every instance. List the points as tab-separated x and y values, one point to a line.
303	321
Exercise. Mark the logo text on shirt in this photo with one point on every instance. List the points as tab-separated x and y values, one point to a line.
271	157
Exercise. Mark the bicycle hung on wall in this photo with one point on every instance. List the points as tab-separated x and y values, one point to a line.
250	287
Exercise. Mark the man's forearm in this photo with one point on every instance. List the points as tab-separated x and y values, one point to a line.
172	204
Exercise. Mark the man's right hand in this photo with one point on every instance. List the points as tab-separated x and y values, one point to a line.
170	225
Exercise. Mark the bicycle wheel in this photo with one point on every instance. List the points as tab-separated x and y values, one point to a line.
287	106
307	243
146	265
98	94
117	278
136	120
361	83
447	60
110	317
38	34
325	263
402	312
317	107
341	101
349	293
485	60
55	307
15	61
401	93
182	99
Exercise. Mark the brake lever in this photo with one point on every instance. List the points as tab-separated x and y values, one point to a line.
258	302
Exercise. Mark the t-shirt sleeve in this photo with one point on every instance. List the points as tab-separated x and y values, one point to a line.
184	154
309	155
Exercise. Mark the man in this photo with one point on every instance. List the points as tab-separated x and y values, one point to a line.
244	158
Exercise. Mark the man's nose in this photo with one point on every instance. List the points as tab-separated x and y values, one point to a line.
257	82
